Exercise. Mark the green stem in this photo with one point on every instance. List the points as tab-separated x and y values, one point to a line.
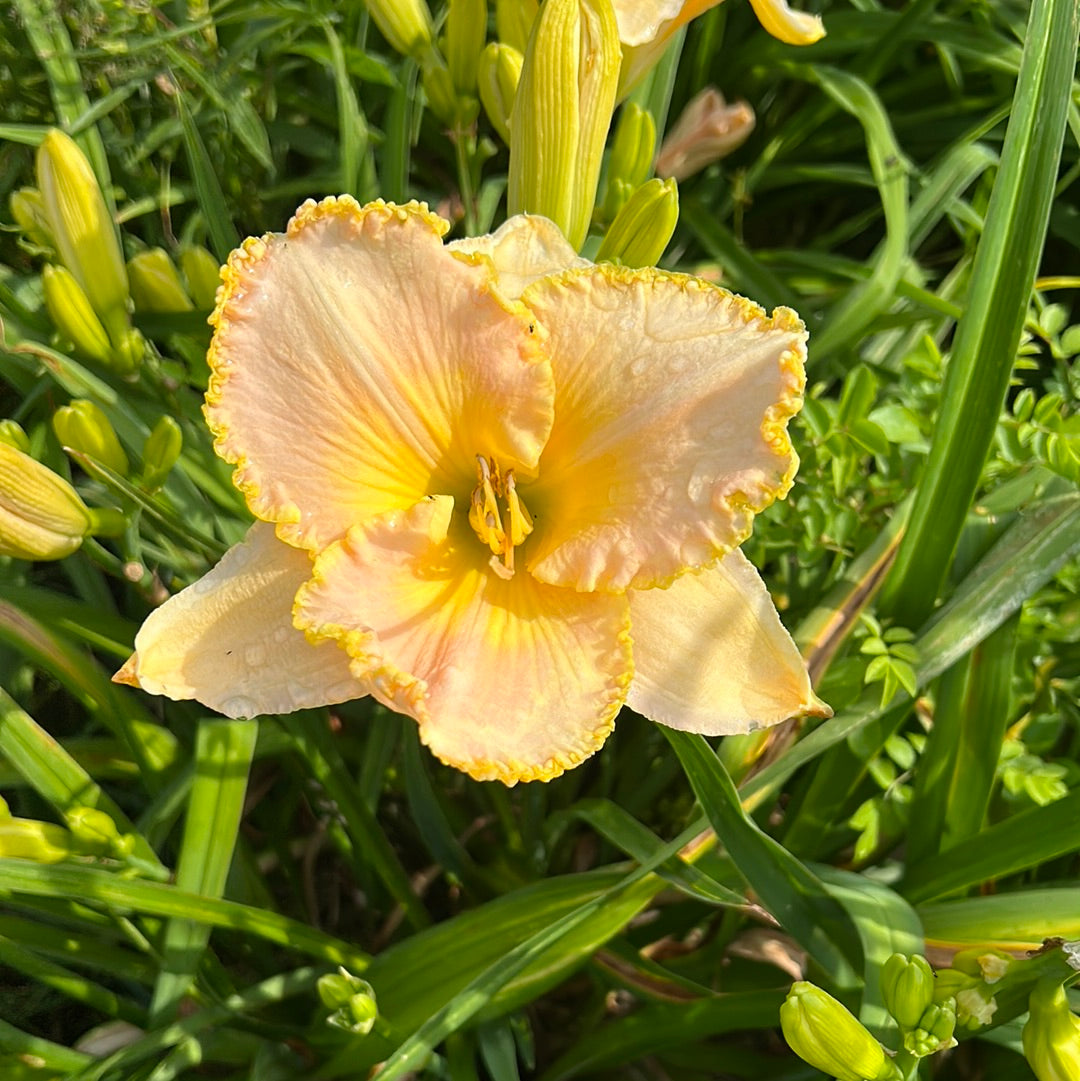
464	149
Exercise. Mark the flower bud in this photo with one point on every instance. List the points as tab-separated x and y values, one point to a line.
73	315
934	1031
1051	1036
94	830
984	964
351	1000
11	432
466	31
514	21
707	129
203	274
792	27
822	1032
83	427
28	210
160	451
28	839
82	228
128	351
951	981
406	24
907	987
642	228
562	112
444	100
497	81
41	515
975	1007
631	157
155	283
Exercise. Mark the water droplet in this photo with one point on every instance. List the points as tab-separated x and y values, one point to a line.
240	705
255	655
280	634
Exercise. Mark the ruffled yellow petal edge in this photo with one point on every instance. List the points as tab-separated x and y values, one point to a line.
406	693
744	505
236	276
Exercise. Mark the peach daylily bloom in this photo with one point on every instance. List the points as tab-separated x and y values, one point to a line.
497	487
646	27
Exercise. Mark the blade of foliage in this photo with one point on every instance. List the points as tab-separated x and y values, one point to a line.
1027	839
223	753
794	895
987	335
1011	921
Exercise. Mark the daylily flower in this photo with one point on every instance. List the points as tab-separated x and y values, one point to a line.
646	27
499	488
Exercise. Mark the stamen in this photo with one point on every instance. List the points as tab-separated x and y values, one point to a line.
502	531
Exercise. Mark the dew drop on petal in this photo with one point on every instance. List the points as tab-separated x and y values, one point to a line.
240	705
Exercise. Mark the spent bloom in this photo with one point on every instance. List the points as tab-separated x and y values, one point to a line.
499	488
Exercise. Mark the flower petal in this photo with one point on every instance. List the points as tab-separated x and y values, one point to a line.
358	366
792	27
229	641
510	679
671	424
711	655
523	249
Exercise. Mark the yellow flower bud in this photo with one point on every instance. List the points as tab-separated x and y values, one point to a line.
28	210
83	427
822	1032
466	31
708	129
1051	1036
160	451
562	113
41	515
82	229
497	80
642	228
155	283
28	839
73	315
631	157
11	432
203	274
514	21
792	27
406	24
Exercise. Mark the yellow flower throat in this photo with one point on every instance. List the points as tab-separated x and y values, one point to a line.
501	531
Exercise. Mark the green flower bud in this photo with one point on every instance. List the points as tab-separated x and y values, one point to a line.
94	830
497	80
950	982
160	451
28	839
73	315
41	515
11	432
822	1032
934	1031
907	986
351	1000
562	112
203	274
28	210
155	283
128	352
642	228
466	31
445	102
514	21
82	229
632	152
83	427
406	24
1051	1036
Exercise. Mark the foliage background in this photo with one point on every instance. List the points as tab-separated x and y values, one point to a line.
553	930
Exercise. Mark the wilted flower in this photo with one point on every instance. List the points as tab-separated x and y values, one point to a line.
500	495
708	129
